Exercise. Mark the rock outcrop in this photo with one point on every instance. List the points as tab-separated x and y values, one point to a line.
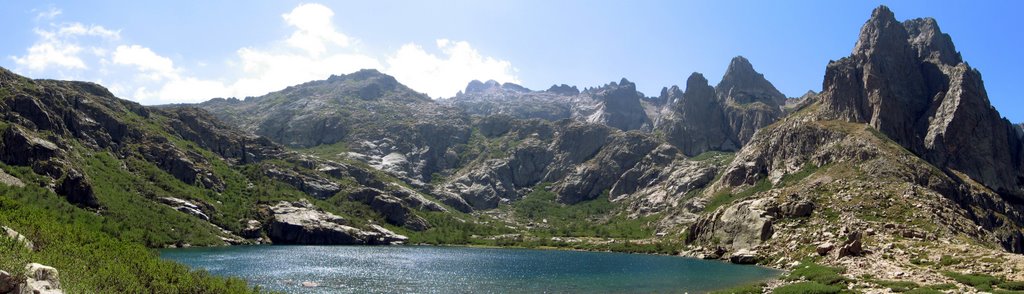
395	210
907	81
300	222
316	186
741	226
185	206
38	279
14	235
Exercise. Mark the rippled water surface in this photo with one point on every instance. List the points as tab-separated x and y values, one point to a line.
427	269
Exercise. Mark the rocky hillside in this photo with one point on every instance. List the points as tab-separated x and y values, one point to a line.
169	177
370	115
864	178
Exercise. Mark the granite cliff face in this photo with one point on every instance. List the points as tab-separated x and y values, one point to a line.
695	120
907	81
615	105
722	118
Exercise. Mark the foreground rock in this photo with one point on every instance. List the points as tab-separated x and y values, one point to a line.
11	233
39	279
301	222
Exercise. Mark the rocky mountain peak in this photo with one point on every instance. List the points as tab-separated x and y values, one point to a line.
882	32
564	89
930	42
696	80
476	86
671	95
740	66
741	84
514	87
907	81
617	105
368	75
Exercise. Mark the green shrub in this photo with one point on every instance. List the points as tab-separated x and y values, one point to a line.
92	261
897	286
923	291
817	273
1012	285
742	289
981	282
808	288
947	260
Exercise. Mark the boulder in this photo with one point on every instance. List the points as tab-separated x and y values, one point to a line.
824	248
378	235
10	180
76	189
745	224
7	282
300	222
41	279
798	208
251	229
744	256
852	246
11	233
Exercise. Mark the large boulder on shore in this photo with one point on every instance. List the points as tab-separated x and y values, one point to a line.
300	222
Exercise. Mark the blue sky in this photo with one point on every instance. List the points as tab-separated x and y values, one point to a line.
187	51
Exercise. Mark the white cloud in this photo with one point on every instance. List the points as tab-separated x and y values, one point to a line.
59	47
43	55
443	76
314	50
50	13
145	60
78	29
314	29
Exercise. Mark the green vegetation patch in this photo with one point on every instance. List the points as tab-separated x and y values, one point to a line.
742	289
814	272
90	260
808	288
981	282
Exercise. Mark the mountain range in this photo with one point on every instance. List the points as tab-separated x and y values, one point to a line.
897	168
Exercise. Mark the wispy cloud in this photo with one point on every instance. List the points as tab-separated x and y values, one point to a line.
315	49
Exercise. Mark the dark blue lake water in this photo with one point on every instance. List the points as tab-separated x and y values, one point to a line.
428	269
